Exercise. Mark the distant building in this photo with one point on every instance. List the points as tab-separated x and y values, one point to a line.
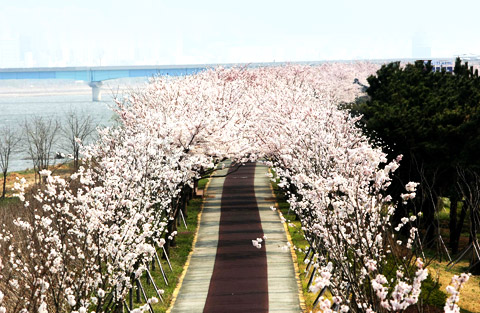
468	57
438	65
421	48
9	53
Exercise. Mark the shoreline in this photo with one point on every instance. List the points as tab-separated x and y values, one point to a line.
25	92
18	93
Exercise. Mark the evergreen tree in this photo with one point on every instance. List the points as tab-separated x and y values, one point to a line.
433	120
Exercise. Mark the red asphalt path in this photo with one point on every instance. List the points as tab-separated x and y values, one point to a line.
239	280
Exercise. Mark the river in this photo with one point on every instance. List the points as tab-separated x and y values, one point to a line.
20	100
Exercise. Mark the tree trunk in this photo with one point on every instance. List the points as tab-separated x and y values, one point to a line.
453	224
173	242
184	204
195	188
4	185
473	237
138	291
172	226
430	224
130	298
76	158
458	231
119	307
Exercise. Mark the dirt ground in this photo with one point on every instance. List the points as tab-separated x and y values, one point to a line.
62	170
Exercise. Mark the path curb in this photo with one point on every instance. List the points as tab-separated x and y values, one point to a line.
187	263
301	298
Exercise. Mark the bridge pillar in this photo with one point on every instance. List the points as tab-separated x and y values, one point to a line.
96	90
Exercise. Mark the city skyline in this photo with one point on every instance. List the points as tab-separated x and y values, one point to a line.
56	33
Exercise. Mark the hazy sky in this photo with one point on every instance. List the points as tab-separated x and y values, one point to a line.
109	32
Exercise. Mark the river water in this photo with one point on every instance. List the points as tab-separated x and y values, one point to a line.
20	100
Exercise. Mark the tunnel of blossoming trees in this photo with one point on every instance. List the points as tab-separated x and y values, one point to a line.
90	238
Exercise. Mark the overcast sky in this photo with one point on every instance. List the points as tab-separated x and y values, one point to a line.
113	32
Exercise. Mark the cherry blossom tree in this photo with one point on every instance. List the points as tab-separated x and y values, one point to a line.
87	239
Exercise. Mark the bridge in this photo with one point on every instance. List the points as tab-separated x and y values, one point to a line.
95	76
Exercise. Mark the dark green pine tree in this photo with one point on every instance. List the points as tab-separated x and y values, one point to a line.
433	120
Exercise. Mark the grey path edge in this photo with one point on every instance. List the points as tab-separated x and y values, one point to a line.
282	284
193	292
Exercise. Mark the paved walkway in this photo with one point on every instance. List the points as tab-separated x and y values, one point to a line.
226	272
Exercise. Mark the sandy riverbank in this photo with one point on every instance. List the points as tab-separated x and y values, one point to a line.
53	87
